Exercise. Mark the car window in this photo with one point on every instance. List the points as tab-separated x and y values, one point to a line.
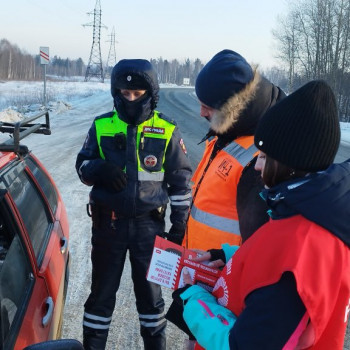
44	182
16	281
33	212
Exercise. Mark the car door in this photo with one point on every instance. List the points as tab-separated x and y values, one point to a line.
19	285
55	262
42	237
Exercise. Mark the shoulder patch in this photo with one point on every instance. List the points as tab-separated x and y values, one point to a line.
105	115
169	120
182	145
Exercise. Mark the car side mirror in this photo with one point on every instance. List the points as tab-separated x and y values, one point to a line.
59	344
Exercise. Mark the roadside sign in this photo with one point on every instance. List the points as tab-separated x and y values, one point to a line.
44	59
44	55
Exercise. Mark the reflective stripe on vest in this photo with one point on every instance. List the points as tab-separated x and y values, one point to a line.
113	125
215	221
146	176
242	155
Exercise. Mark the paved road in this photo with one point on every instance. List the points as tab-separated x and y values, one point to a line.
58	153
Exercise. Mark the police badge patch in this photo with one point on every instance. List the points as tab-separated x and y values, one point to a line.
150	161
183	147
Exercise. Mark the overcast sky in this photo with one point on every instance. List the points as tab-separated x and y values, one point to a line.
146	28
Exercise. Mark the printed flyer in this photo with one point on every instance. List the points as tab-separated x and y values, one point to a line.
168	261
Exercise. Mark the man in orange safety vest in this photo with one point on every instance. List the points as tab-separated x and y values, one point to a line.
233	96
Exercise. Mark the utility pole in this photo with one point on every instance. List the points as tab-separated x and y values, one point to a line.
112	58
94	67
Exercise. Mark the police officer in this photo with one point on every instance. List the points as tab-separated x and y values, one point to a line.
136	162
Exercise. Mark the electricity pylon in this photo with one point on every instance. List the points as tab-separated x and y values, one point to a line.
112	58
94	67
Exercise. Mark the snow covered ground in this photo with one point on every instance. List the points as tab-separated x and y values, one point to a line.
18	98
345	132
27	97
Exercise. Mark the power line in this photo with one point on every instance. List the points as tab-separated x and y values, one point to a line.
94	67
112	57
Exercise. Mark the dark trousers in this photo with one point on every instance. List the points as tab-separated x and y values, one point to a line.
109	248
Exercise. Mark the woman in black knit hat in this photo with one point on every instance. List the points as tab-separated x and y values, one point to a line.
288	285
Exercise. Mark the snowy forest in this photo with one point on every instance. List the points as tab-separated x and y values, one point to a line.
312	41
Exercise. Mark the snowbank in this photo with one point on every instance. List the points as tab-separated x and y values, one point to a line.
10	116
61	107
345	131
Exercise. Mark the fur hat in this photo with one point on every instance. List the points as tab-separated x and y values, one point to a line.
302	131
226	74
135	74
131	81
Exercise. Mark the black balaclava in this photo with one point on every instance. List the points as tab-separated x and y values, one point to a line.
133	112
135	74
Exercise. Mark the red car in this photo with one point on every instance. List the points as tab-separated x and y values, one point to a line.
34	232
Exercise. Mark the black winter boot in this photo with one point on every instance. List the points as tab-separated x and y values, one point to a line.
157	342
94	340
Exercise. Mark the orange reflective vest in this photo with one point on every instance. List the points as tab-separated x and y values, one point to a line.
213	218
319	261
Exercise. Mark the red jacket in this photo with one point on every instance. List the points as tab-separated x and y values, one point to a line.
319	261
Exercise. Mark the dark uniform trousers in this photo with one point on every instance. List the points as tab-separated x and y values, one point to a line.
110	242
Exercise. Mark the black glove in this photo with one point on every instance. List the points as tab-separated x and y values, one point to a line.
175	312
217	254
176	294
111	176
175	234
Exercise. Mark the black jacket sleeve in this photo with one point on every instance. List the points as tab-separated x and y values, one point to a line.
178	173
270	317
251	208
89	159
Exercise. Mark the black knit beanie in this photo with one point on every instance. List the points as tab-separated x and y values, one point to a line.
226	74
302	131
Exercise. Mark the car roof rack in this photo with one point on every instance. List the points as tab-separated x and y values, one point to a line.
22	129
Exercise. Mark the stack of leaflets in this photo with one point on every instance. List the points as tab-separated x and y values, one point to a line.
168	261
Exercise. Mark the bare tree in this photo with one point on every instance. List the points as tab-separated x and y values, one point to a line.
288	44
313	41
